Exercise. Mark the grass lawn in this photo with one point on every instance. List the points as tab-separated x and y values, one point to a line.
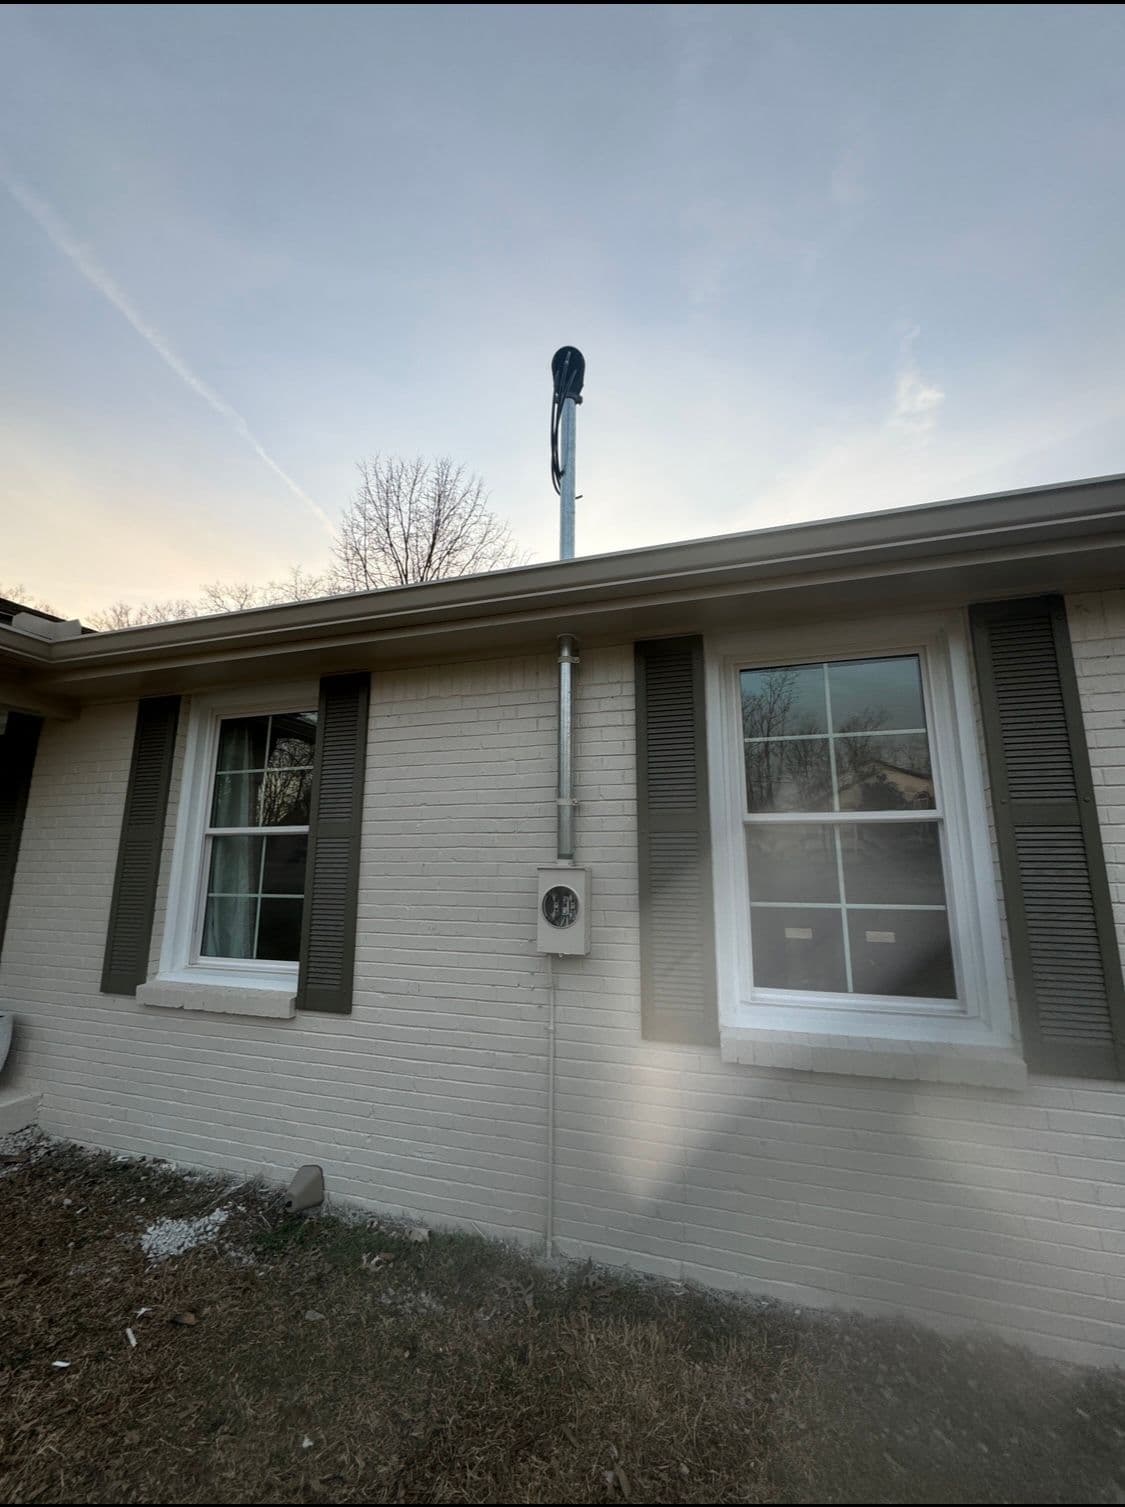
329	1360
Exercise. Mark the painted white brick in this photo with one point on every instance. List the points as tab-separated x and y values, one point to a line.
955	1204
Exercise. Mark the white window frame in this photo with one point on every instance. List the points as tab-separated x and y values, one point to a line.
180	959
981	1014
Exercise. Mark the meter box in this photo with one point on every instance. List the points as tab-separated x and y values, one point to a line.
564	909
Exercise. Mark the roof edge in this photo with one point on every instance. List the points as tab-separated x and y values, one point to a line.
997	522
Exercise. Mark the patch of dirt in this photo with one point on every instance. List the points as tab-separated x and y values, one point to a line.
291	1359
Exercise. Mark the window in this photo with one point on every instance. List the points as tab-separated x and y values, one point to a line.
256	840
236	891
238	908
843	830
854	887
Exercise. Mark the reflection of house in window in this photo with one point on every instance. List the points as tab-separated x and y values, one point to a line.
878	785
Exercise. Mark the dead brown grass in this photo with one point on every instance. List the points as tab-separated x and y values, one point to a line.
458	1370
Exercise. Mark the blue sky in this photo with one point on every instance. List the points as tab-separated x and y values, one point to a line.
820	260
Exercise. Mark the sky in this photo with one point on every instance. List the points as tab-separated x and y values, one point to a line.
820	260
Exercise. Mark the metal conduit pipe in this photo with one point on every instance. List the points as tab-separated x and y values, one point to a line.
552	1055
568	659
566	804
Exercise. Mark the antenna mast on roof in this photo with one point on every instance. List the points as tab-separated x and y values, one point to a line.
568	369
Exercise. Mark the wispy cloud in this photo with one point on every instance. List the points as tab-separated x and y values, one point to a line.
917	401
880	458
60	236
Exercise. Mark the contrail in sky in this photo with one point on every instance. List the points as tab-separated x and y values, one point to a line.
60	237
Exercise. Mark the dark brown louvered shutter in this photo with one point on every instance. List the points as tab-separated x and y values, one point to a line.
1060	919
18	743
129	936
678	990
335	830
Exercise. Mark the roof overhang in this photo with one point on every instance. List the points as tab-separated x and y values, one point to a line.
1059	538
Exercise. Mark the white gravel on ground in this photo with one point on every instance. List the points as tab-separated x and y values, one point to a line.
172	1237
29	1144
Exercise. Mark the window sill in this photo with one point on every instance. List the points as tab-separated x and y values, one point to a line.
219	998
877	1057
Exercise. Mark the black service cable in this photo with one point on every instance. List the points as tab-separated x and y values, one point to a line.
568	368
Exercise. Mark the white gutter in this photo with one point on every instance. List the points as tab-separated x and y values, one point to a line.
1083	523
1003	520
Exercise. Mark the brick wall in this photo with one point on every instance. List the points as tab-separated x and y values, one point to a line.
1097	630
955	1205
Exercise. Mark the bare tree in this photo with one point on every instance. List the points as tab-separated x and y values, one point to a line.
417	520
410	520
20	594
236	596
136	614
228	596
216	596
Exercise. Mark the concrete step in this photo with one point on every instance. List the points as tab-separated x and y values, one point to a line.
18	1107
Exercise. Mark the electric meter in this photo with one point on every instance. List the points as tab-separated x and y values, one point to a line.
564	901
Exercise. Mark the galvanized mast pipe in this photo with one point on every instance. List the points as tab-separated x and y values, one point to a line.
568	424
568	370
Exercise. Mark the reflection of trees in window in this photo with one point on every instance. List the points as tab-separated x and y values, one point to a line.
799	767
284	798
292	738
765	713
803	766
286	784
789	753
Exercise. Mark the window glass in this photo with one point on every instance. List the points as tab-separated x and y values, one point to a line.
279	929
264	774
242	742
851	898
884	772
284	798
792	862
236	799
292	740
255	881
785	701
799	949
789	775
892	864
228	926
871	694
903	952
875	757
283	864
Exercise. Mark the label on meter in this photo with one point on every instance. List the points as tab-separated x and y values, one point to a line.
560	906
